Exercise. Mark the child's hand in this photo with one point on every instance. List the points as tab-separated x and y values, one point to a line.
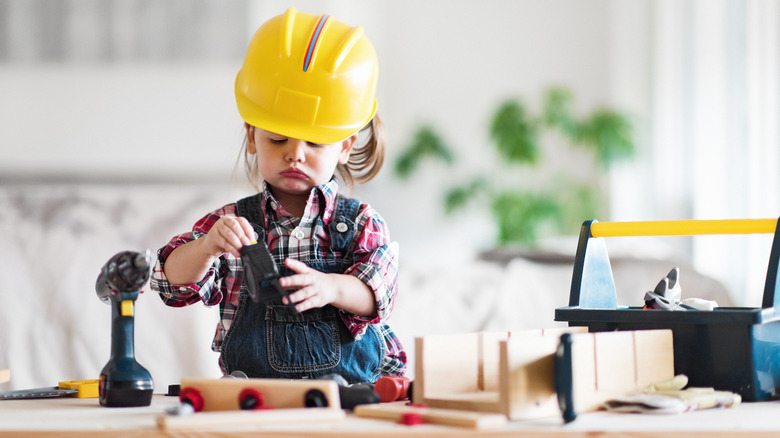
315	288
228	235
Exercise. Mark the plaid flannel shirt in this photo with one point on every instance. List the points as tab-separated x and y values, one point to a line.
376	263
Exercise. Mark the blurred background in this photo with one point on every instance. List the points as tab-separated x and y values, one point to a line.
125	109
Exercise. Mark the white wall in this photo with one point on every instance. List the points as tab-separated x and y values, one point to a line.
126	121
450	64
702	75
444	62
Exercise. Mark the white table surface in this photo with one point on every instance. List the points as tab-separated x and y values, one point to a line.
66	416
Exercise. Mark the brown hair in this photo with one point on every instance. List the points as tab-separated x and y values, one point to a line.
367	155
365	161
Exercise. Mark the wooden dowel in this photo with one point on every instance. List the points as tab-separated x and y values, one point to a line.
449	417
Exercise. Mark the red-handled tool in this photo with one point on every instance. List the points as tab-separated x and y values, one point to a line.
393	388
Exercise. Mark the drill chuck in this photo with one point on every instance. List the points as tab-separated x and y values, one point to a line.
125	272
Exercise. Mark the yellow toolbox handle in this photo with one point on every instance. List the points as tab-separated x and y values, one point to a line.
683	227
593	286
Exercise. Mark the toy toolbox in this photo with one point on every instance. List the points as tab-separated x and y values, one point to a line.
730	348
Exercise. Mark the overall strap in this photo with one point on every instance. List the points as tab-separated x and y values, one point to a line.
251	209
343	226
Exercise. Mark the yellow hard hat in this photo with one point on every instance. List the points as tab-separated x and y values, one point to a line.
308	77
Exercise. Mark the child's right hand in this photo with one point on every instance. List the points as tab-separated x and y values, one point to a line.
228	235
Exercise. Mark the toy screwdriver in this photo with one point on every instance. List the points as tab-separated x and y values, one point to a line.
262	275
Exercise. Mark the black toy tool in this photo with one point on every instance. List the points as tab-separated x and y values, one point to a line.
123	381
262	275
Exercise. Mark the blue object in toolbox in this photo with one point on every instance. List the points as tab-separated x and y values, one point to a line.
730	348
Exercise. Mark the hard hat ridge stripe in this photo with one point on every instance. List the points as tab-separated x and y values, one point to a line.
315	38
286	40
346	46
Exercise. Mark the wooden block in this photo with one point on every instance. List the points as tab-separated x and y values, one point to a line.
528	333
583	357
526	373
488	376
5	376
610	364
464	371
223	394
446	364
558	331
480	401
450	417
615	366
242	419
654	356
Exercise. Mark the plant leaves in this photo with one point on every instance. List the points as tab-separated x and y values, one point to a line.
557	112
457	197
426	144
579	202
610	134
520	215
515	133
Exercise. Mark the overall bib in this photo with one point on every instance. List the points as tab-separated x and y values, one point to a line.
268	339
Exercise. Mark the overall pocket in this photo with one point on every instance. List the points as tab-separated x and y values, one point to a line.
302	342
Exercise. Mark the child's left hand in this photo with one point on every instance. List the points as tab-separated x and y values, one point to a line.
315	289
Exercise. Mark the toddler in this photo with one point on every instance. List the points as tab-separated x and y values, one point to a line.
306	93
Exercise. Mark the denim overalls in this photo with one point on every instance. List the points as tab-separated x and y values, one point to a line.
268	339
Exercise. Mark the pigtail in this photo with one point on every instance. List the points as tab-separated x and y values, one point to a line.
368	156
250	164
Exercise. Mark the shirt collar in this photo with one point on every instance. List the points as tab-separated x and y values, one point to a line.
324	195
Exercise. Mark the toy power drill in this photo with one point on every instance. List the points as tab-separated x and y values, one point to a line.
262	275
123	381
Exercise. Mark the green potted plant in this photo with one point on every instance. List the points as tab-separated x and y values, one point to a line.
556	202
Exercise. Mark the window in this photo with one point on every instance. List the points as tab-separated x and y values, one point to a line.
711	115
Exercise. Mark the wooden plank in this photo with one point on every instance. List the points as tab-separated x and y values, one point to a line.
222	394
222	420
488	358
464	371
615	366
528	387
654	356
610	364
445	364
519	365
558	331
450	417
583	357
527	364
480	401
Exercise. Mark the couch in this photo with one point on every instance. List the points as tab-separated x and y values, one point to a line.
56	237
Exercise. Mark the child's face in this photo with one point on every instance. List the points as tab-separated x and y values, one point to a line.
295	166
